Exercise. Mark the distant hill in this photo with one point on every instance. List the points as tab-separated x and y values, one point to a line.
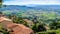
41	12
35	7
14	7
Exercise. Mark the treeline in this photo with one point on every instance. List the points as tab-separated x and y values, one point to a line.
38	25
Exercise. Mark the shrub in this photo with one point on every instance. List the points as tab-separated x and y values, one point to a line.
50	32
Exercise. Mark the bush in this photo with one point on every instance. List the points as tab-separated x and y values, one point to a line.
50	32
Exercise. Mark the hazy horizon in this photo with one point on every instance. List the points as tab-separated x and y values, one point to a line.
29	2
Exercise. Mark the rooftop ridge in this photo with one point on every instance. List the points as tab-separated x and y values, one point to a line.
15	28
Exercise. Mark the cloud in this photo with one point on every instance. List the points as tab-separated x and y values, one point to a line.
25	2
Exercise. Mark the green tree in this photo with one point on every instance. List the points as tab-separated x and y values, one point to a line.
0	12
2	30
1	3
55	24
18	20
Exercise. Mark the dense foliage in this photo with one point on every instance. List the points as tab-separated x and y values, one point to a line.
42	20
39	25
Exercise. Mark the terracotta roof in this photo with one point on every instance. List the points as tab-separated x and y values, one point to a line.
15	28
21	29
29	22
3	18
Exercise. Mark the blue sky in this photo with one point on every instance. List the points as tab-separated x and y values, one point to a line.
26	2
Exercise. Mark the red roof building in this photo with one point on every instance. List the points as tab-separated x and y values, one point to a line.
14	28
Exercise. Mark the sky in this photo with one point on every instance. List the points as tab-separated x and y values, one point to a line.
27	2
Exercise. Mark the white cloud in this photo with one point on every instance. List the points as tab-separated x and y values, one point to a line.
25	2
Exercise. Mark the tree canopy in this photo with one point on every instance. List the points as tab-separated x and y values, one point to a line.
1	3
